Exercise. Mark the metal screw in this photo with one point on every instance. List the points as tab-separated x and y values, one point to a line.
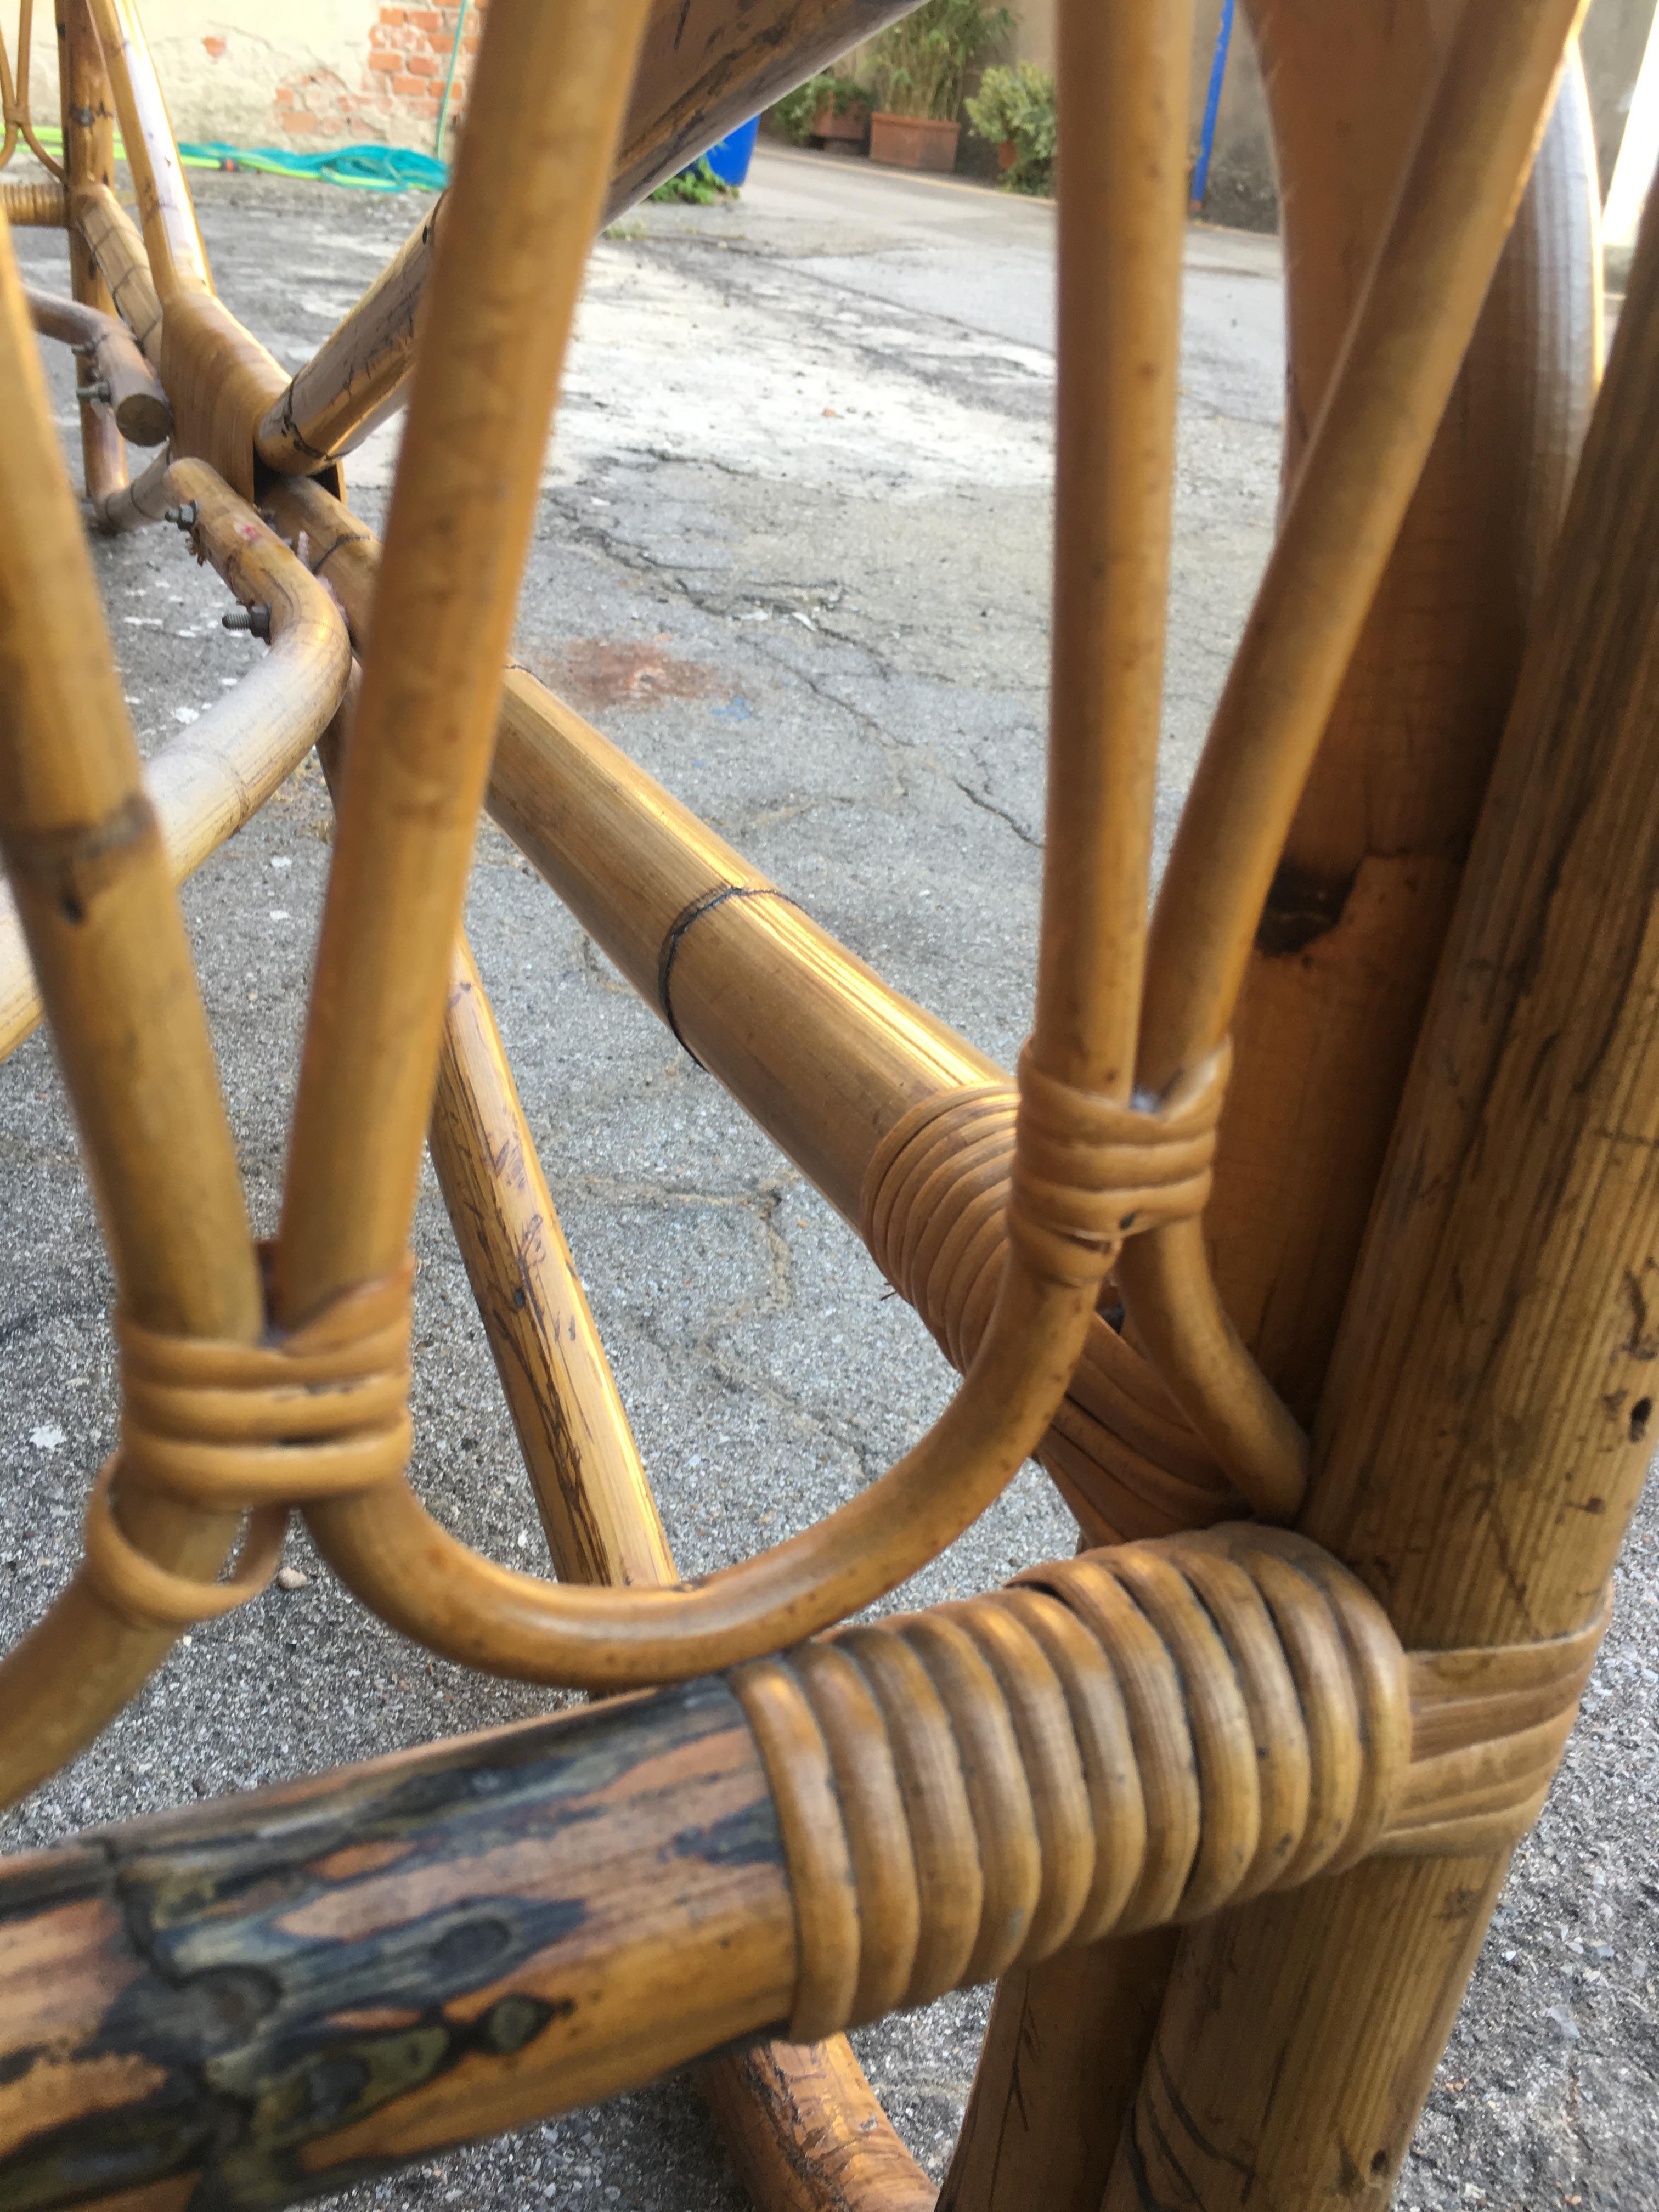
99	391
256	619
183	518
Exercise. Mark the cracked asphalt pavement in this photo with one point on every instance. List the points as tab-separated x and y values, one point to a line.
792	554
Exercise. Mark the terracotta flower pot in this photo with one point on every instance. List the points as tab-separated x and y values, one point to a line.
850	123
1007	155
913	141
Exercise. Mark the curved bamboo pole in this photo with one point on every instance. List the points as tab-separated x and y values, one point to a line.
108	945
1399	360
1118	425
132	391
1484	1434
100	228
216	776
1326	1023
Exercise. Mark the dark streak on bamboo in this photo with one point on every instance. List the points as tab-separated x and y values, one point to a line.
292	1989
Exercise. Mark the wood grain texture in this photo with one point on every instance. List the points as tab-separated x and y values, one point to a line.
1481	1441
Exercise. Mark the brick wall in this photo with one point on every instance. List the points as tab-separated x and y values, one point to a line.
399	89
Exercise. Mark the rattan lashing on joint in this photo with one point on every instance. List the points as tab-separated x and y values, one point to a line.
1140	1736
318	1412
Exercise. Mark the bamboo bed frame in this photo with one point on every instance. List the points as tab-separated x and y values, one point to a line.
1347	1385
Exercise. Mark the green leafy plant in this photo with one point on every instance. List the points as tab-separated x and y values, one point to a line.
698	184
917	64
1016	106
795	113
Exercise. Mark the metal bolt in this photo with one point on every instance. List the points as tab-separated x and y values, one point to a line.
99	391
183	518
256	619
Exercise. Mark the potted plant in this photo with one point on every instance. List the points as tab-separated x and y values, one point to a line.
826	109
1014	108
918	66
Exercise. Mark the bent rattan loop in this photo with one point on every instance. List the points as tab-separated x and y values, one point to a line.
321	1412
1139	1735
151	1597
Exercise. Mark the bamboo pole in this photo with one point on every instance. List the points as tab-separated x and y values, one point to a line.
1329	1011
104	935
803	2124
89	127
131	391
1484	1432
596	1505
172	240
1400	359
216	776
704	67
103	228
1340	971
246	2002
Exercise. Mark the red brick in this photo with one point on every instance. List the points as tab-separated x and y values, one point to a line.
423	19
387	61
405	86
390	15
423	65
285	95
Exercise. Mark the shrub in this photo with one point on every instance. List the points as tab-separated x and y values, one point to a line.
698	184
794	112
917	64
1018	104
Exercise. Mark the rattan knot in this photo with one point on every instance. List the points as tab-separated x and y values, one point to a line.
1139	1736
1088	1172
1080	1174
320	1413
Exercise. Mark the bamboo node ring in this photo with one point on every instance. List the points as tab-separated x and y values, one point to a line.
317	1412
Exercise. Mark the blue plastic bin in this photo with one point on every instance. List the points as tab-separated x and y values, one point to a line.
729	157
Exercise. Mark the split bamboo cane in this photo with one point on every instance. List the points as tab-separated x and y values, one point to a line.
1484	1429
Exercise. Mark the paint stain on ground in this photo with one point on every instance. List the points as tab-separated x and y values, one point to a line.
607	671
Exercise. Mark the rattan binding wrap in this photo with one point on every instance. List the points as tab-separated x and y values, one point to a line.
1135	1737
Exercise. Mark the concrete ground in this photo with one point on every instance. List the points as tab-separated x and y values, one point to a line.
792	554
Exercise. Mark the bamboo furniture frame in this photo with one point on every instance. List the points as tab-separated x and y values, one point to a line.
1196	1796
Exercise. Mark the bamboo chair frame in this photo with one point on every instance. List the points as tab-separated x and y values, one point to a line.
1179	1730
